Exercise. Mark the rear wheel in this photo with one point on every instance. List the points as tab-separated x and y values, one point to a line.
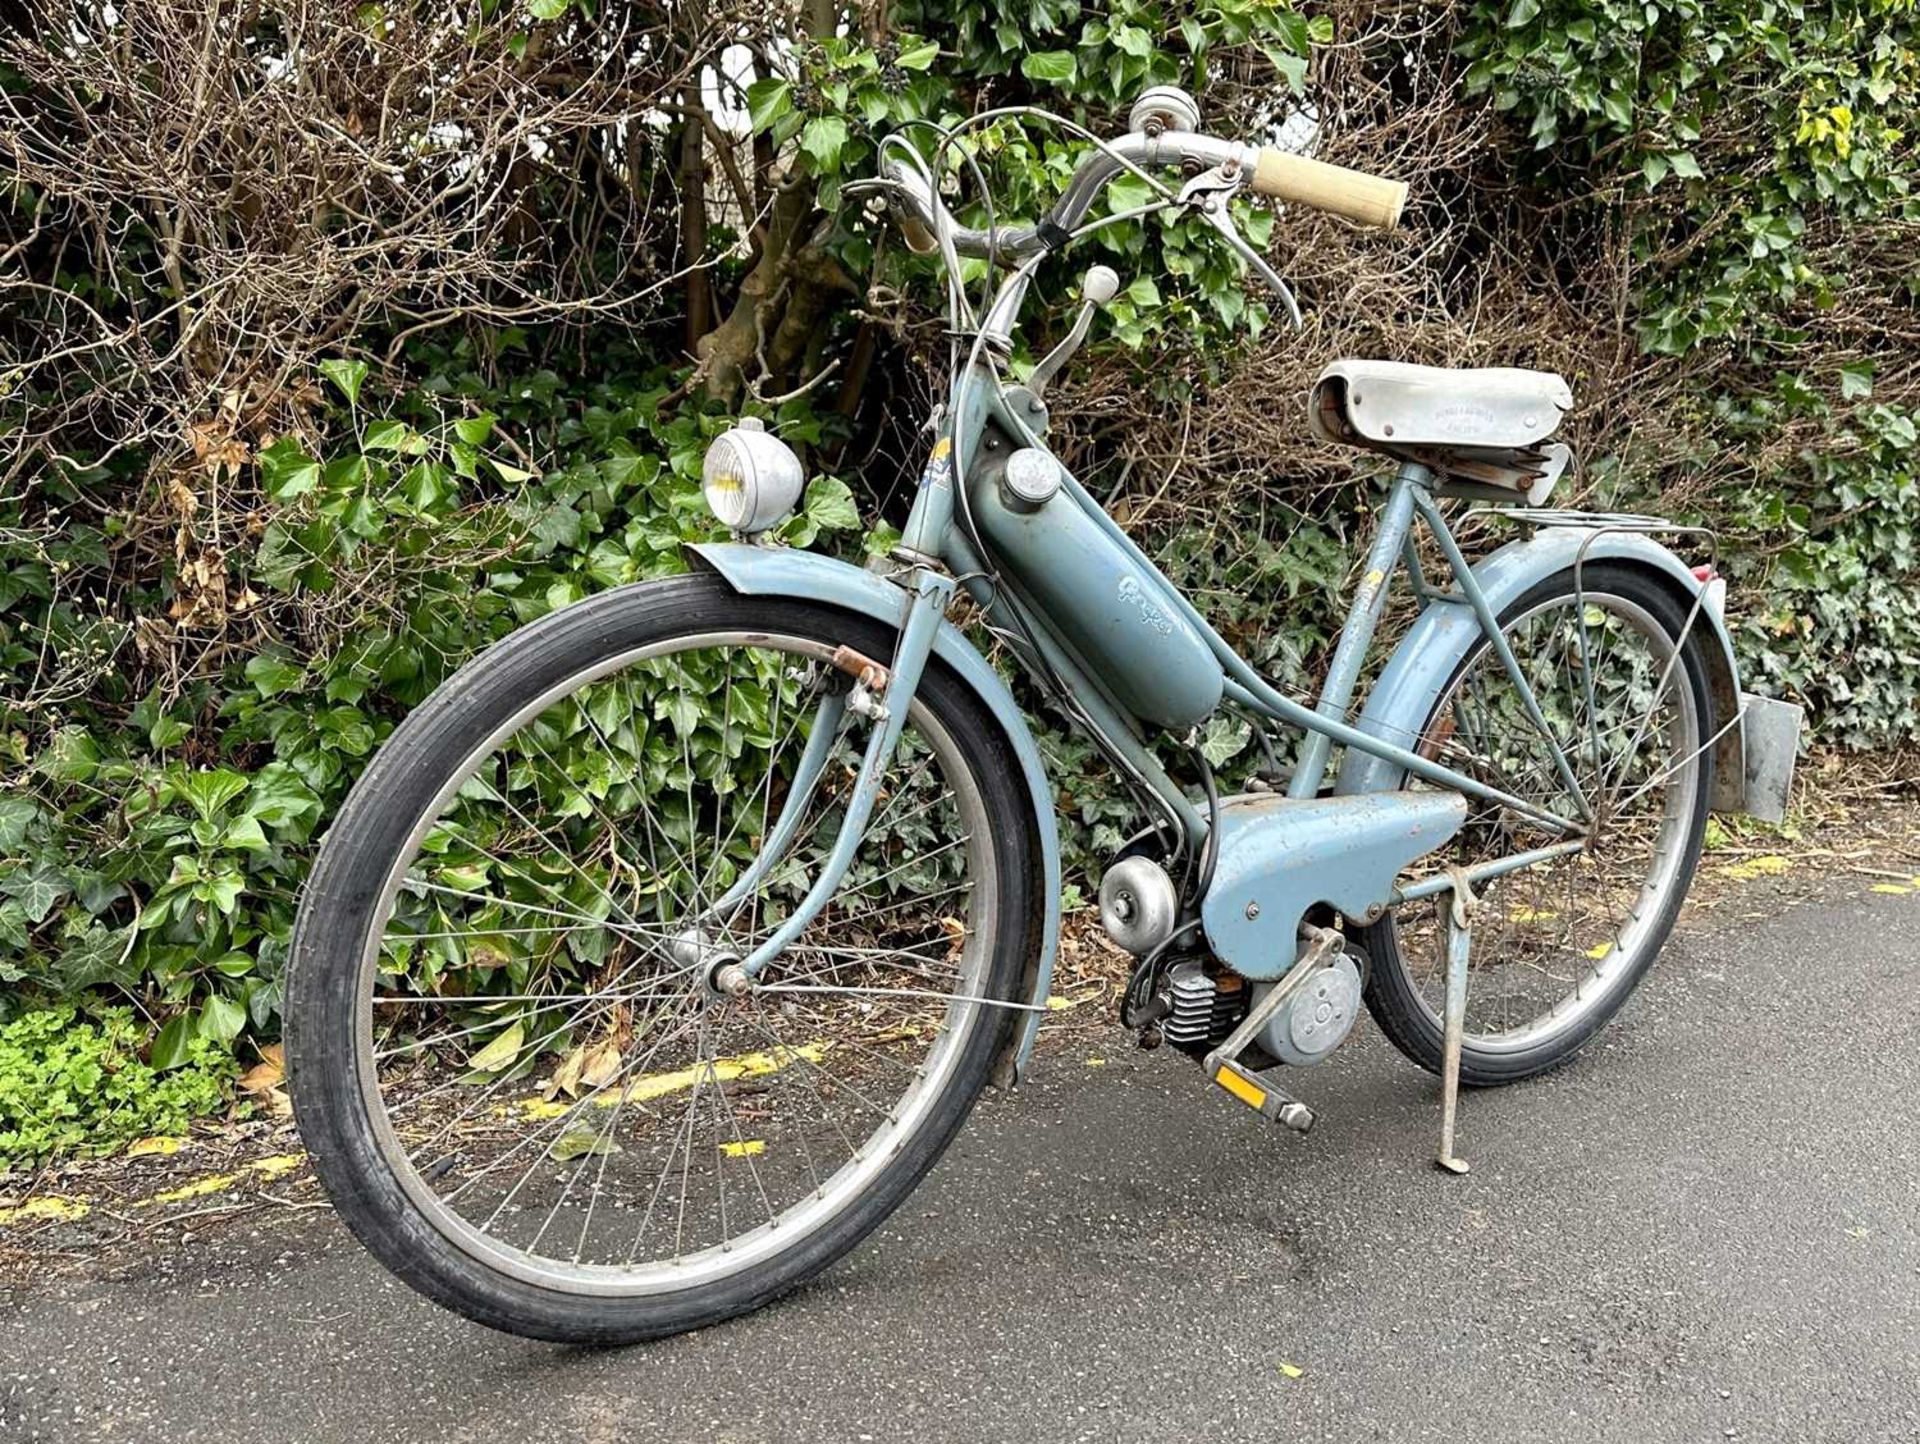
515	1077
1558	947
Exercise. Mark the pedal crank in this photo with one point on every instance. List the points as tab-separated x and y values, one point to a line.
1222	1065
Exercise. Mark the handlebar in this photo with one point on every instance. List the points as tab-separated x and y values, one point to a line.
1367	199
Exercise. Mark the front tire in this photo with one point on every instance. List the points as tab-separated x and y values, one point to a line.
447	869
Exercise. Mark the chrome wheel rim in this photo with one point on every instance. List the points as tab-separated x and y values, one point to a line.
699	1039
1582	924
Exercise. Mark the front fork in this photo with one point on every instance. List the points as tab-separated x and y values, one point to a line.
928	596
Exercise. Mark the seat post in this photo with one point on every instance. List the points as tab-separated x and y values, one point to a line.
1363	616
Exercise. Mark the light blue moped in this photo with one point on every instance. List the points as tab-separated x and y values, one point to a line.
761	864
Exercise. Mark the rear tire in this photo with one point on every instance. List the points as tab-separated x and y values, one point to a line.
349	901
1403	984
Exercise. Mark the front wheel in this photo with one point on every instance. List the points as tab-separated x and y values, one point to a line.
507	1058
1622	682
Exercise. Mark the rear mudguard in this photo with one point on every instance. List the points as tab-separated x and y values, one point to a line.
807	576
1426	658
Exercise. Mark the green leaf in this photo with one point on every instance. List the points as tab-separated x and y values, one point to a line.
474	430
222	890
16	816
1225	739
767	101
499	1055
548	9
1685	166
14	937
1049	67
1856	381
71	756
173	1047
280	795
823	139
207	792
1293	67
221	1019
1522	12
1655	168
920	57
1143	292
386	435
347	375
286	471
511	473
37	887
1129	193
1293	29
830	504
273	675
244	833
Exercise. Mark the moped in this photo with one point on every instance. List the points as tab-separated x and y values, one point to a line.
761	862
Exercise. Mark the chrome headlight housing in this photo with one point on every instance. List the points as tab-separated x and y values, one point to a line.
751	479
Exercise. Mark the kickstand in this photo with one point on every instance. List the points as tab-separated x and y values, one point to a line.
1459	944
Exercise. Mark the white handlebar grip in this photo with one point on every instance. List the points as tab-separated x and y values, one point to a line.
1101	285
1369	199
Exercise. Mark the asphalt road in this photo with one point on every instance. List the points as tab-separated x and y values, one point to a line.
1706	1228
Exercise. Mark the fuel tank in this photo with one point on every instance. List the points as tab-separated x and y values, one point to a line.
1106	601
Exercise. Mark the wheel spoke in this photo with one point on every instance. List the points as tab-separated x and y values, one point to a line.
571	1087
1561	938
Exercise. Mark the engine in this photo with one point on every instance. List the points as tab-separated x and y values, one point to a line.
1204	1003
1203	1010
1196	1002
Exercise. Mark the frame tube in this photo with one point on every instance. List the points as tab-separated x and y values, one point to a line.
1490	625
1363	617
930	596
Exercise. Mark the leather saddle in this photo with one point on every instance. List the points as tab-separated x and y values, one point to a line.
1485	427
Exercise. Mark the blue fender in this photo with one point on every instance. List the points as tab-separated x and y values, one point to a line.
1425	660
771	571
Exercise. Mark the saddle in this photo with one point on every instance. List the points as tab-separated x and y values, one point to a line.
1483	427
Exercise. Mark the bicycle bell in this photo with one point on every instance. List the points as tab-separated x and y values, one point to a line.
1163	108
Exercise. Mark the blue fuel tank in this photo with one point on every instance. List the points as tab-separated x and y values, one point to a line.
1106	601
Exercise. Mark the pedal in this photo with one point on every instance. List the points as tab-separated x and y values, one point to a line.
1288	1112
1222	1064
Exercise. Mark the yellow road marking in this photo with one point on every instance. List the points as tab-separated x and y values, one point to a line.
49	1207
660	1085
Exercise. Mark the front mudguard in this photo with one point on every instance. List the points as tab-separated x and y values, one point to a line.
769	571
1440	638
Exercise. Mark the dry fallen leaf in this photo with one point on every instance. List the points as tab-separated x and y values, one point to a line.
500	1053
579	1142
956	932
601	1064
268	1073
566	1078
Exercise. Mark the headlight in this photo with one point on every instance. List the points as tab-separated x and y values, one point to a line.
752	480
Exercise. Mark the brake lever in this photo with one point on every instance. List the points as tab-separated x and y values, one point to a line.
1207	195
